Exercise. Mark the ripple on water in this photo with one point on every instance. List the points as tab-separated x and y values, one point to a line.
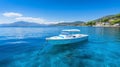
24	48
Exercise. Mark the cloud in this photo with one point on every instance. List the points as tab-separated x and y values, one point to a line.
19	17
31	19
12	14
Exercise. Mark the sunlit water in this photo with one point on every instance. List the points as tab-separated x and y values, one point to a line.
26	47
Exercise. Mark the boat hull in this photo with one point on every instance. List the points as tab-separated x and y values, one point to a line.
67	41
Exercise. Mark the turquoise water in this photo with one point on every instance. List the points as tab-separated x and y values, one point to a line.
26	47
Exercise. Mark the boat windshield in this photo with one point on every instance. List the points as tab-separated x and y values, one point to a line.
69	33
65	33
71	30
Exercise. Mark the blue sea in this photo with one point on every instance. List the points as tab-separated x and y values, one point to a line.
27	47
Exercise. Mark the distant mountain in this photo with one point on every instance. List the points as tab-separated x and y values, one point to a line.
75	23
22	24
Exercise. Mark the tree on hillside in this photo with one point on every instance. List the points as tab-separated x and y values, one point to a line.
105	20
90	23
117	16
115	21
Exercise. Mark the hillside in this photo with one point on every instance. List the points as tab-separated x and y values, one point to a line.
110	20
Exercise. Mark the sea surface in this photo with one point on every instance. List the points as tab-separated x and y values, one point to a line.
27	47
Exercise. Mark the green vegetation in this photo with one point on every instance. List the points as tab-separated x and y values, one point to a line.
90	23
118	16
110	20
115	21
105	20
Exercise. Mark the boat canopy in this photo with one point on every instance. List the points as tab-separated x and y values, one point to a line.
71	30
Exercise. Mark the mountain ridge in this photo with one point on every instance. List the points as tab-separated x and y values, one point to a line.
22	24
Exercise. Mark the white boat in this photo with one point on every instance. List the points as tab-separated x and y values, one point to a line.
67	37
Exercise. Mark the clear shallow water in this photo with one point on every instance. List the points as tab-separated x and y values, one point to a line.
26	47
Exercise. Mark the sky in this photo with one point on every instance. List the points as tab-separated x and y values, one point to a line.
54	11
